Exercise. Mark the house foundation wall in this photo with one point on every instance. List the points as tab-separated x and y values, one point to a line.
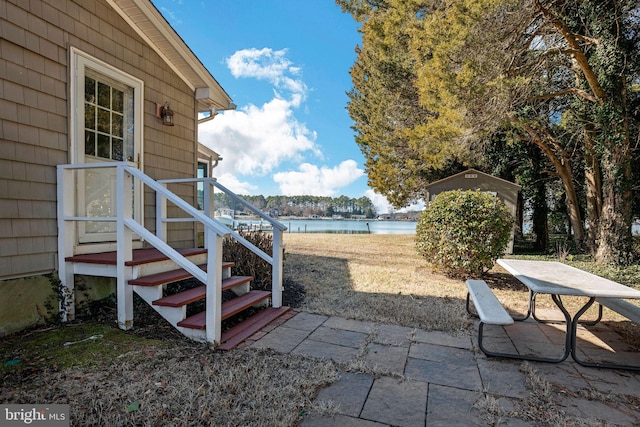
34	300
28	302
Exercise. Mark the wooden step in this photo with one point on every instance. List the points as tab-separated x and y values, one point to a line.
242	302
240	332
183	298
170	276
140	256
234	281
199	292
229	308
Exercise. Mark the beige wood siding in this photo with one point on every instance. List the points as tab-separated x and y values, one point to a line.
35	37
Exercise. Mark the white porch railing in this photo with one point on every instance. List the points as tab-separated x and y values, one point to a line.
275	260
127	225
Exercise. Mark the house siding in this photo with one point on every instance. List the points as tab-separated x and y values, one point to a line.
35	39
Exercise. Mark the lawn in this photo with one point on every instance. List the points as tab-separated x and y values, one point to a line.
152	376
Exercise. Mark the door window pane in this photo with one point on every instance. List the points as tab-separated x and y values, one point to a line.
104	120
104	95
108	118
117	152
104	146
90	143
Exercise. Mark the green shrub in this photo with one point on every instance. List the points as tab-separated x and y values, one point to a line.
462	233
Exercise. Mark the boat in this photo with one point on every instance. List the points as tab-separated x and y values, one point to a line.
225	216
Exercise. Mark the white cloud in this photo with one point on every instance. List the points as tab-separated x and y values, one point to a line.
170	15
417	206
318	181
234	184
379	201
256	140
383	206
270	65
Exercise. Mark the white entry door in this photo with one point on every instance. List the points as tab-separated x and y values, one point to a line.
107	127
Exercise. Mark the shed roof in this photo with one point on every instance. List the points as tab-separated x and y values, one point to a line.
474	171
149	23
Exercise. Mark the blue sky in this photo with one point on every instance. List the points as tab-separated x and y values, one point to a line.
285	63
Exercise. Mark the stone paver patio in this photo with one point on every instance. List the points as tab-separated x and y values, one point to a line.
429	378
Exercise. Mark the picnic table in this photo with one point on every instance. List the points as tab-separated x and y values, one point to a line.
558	280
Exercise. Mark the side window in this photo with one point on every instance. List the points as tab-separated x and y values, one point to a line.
203	172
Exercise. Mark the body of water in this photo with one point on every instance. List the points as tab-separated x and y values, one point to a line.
345	226
338	226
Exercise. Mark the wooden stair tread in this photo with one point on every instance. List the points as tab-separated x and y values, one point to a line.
238	304
170	276
164	277
183	298
140	256
229	308
234	281
240	332
195	294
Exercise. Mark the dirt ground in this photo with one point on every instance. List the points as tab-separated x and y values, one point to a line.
152	375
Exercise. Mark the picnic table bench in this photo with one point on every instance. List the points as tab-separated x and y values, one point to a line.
625	308
491	312
488	309
557	280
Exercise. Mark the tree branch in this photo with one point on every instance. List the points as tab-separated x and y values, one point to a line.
578	55
573	91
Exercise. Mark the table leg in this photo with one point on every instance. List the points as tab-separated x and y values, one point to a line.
567	319
567	346
530	308
584	322
574	339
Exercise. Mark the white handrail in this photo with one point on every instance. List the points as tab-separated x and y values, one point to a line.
174	255
126	225
215	225
253	248
275	223
275	260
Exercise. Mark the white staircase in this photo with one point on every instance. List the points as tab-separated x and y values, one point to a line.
147	271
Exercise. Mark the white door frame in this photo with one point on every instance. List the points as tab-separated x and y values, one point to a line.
80	61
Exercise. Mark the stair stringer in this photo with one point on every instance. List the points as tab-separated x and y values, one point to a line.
240	289
173	315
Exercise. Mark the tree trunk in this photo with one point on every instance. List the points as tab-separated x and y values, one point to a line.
540	208
614	234
615	245
561	162
573	207
593	182
540	217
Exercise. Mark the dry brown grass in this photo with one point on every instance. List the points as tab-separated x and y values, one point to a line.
124	379
374	277
185	385
381	278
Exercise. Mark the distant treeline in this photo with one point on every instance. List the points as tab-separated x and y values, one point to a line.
302	205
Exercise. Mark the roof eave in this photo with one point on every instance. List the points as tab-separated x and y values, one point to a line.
154	29
454	176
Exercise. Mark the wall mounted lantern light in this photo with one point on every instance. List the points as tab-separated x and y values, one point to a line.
165	113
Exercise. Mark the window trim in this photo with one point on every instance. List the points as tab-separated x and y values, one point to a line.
81	60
